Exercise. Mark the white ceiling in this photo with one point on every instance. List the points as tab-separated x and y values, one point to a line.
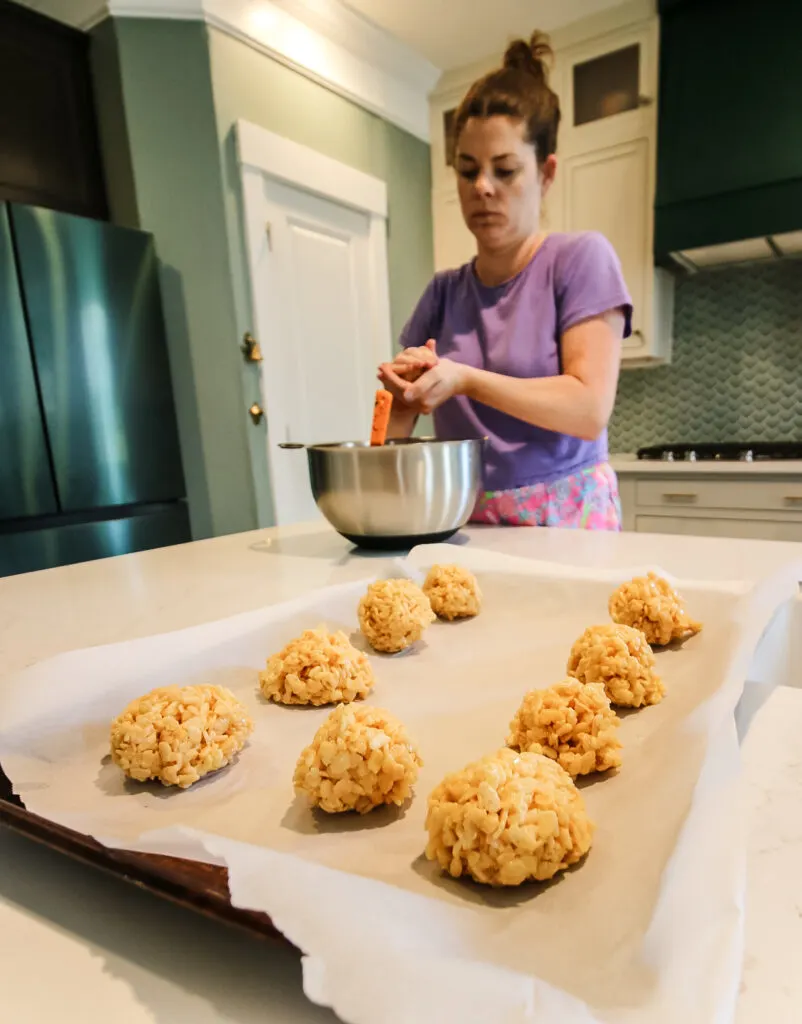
451	33
447	33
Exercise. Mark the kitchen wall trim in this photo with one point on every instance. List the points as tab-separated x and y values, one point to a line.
305	168
322	39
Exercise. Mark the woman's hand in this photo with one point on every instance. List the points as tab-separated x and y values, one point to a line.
407	367
434	387
422	380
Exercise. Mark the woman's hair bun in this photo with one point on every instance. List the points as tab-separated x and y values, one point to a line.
533	57
518	90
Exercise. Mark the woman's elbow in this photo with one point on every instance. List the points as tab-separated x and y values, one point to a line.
592	410
593	426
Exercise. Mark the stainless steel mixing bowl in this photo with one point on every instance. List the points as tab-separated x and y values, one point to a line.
407	492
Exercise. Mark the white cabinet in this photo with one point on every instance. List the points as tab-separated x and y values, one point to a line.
442	108
611	190
607	190
694	503
608	88
453	242
608	146
742	529
607	85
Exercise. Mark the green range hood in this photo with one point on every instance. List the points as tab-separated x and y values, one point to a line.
729	143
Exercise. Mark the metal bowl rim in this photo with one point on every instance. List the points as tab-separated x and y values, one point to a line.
403	443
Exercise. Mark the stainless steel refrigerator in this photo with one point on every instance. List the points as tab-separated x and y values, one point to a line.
89	458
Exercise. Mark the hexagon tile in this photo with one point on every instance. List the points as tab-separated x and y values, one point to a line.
736	374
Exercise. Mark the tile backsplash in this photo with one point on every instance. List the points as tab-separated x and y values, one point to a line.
736	373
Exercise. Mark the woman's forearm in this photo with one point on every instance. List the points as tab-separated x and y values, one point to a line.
563	404
402	421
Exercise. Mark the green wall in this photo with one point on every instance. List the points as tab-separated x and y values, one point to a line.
164	170
169	94
251	86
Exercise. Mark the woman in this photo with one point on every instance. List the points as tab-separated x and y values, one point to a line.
521	345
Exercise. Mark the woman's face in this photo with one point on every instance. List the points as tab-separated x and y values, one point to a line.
500	183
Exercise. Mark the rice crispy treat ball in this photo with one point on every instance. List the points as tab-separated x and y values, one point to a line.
178	734
650	604
360	758
506	819
620	658
318	667
393	615
453	592
571	723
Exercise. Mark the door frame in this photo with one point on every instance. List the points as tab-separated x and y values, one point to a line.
262	153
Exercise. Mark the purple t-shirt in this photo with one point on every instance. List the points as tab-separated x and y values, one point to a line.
515	329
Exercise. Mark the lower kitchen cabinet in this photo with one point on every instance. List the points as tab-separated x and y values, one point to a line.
695	526
750	505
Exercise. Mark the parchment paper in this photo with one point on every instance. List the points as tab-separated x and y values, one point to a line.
648	928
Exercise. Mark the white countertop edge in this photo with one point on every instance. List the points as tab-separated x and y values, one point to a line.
627	463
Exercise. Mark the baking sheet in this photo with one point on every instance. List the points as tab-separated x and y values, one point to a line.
647	929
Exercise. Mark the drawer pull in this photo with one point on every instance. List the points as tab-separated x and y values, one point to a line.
679	496
793	499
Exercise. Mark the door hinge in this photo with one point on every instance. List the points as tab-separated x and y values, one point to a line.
269	235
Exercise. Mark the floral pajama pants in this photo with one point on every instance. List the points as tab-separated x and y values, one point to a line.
587	500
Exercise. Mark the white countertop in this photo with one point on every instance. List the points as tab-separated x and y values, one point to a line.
81	947
628	463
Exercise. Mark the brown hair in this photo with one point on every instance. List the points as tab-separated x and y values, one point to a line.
518	89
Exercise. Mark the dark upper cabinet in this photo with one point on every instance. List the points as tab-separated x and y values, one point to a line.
95	322
49	149
26	484
729	143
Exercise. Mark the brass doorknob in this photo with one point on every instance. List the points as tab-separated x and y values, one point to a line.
257	412
251	349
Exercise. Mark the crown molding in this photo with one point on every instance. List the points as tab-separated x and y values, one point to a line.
353	32
322	39
372	82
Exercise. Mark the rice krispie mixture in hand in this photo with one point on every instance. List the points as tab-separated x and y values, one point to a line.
620	658
506	819
318	667
178	734
453	592
393	615
360	758
650	604
571	723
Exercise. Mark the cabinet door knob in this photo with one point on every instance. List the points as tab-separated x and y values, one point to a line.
645	101
256	413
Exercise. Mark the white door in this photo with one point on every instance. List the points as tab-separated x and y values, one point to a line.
316	234
610	191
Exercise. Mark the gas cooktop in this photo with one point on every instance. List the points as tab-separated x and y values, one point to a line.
729	451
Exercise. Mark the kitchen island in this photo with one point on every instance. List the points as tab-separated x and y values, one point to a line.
108	950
